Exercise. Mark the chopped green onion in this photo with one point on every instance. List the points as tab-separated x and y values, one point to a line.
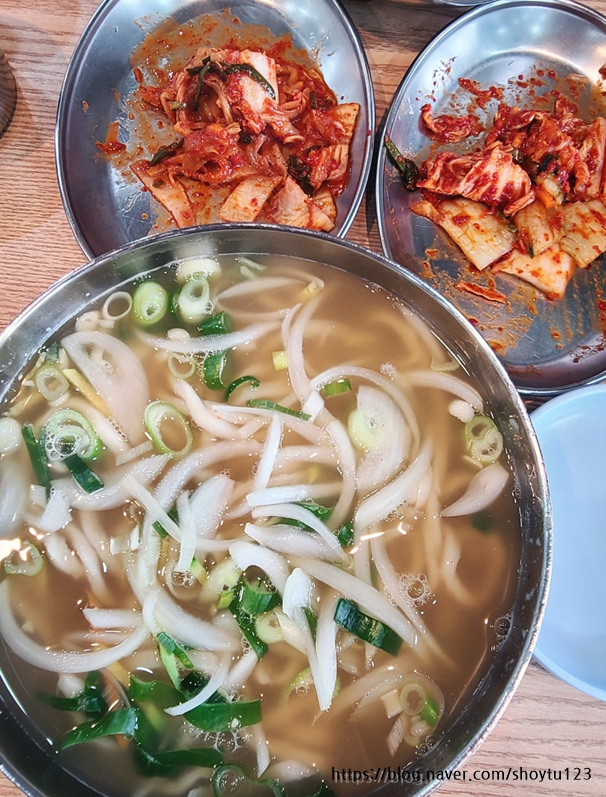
366	628
166	151
266	404
409	169
159	412
484	440
26	561
69	432
301	682
218	324
254	74
321	512
214	370
225	598
192	302
86	478
312	620
340	386
482	521
240	381
230	780
165	763
159	528
52	353
280	360
258	596
246	624
37	455
123	722
430	712
345	534
150	303
160	693
268	628
51	383
89	700
197	570
218	717
173	648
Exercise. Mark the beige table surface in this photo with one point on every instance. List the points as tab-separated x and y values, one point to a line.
548	725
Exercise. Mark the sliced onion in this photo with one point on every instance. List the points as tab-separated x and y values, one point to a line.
294	351
11	438
290	540
111	618
242	670
261	748
59	660
484	488
390	444
344	371
403	489
278	495
114	494
209	503
326	648
215	682
211	343
121	382
448	383
267	462
189	629
14	488
187	547
57	513
303	515
291	632
200	413
246	554
347	464
367	597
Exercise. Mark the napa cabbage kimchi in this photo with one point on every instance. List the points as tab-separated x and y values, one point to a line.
529	201
266	135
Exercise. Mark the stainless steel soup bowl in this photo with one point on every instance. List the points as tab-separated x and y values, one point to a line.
26	757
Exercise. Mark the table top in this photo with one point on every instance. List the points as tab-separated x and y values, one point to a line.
552	738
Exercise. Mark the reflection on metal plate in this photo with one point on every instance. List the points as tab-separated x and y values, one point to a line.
527	48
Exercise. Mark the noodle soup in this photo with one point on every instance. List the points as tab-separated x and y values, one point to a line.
259	528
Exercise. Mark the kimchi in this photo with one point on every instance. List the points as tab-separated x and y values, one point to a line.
529	201
260	132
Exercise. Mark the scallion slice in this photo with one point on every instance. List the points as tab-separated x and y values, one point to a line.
484	440
26	561
257	597
218	324
123	722
69	432
219	717
173	648
51	383
89	700
37	456
266	404
159	413
280	360
366	628
165	763
86	478
241	380
268	628
340	386
150	303
345	534
192	302
214	370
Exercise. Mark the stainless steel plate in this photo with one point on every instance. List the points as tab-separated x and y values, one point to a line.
529	48
107	210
